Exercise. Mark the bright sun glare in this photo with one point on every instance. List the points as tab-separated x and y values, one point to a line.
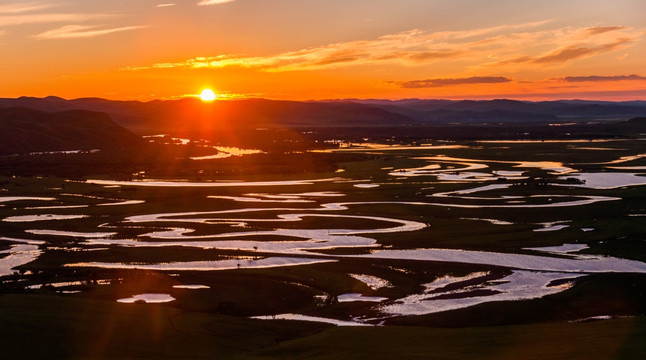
207	95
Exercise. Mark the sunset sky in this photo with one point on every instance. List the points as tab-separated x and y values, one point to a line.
305	49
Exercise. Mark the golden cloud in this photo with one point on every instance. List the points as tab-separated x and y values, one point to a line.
509	44
213	2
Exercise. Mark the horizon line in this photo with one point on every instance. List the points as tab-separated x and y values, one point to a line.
196	98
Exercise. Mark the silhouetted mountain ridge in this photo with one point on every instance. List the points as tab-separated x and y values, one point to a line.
191	115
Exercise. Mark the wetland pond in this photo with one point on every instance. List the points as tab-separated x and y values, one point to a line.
414	230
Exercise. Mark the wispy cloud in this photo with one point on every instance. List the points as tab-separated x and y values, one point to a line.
23	7
571	44
575	52
165	5
429	83
500	46
595	30
7	20
3	32
601	78
81	31
214	2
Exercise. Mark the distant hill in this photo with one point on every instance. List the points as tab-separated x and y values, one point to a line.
25	130
512	111
634	125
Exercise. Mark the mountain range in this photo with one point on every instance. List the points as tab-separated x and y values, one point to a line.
159	114
30	124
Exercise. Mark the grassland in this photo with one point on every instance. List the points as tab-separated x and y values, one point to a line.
49	309
38	327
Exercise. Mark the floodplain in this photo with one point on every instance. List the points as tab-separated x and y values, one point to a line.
478	240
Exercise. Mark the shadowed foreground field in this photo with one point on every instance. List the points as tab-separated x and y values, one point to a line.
58	327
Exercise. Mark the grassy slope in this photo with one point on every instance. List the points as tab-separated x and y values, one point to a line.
622	338
64	327
25	130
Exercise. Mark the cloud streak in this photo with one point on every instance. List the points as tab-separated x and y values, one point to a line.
431	83
573	44
213	2
8	20
574	52
81	31
500	46
23	8
594	78
596	30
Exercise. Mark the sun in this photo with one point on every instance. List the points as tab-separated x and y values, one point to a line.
207	95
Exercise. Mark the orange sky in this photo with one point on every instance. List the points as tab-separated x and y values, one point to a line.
303	49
